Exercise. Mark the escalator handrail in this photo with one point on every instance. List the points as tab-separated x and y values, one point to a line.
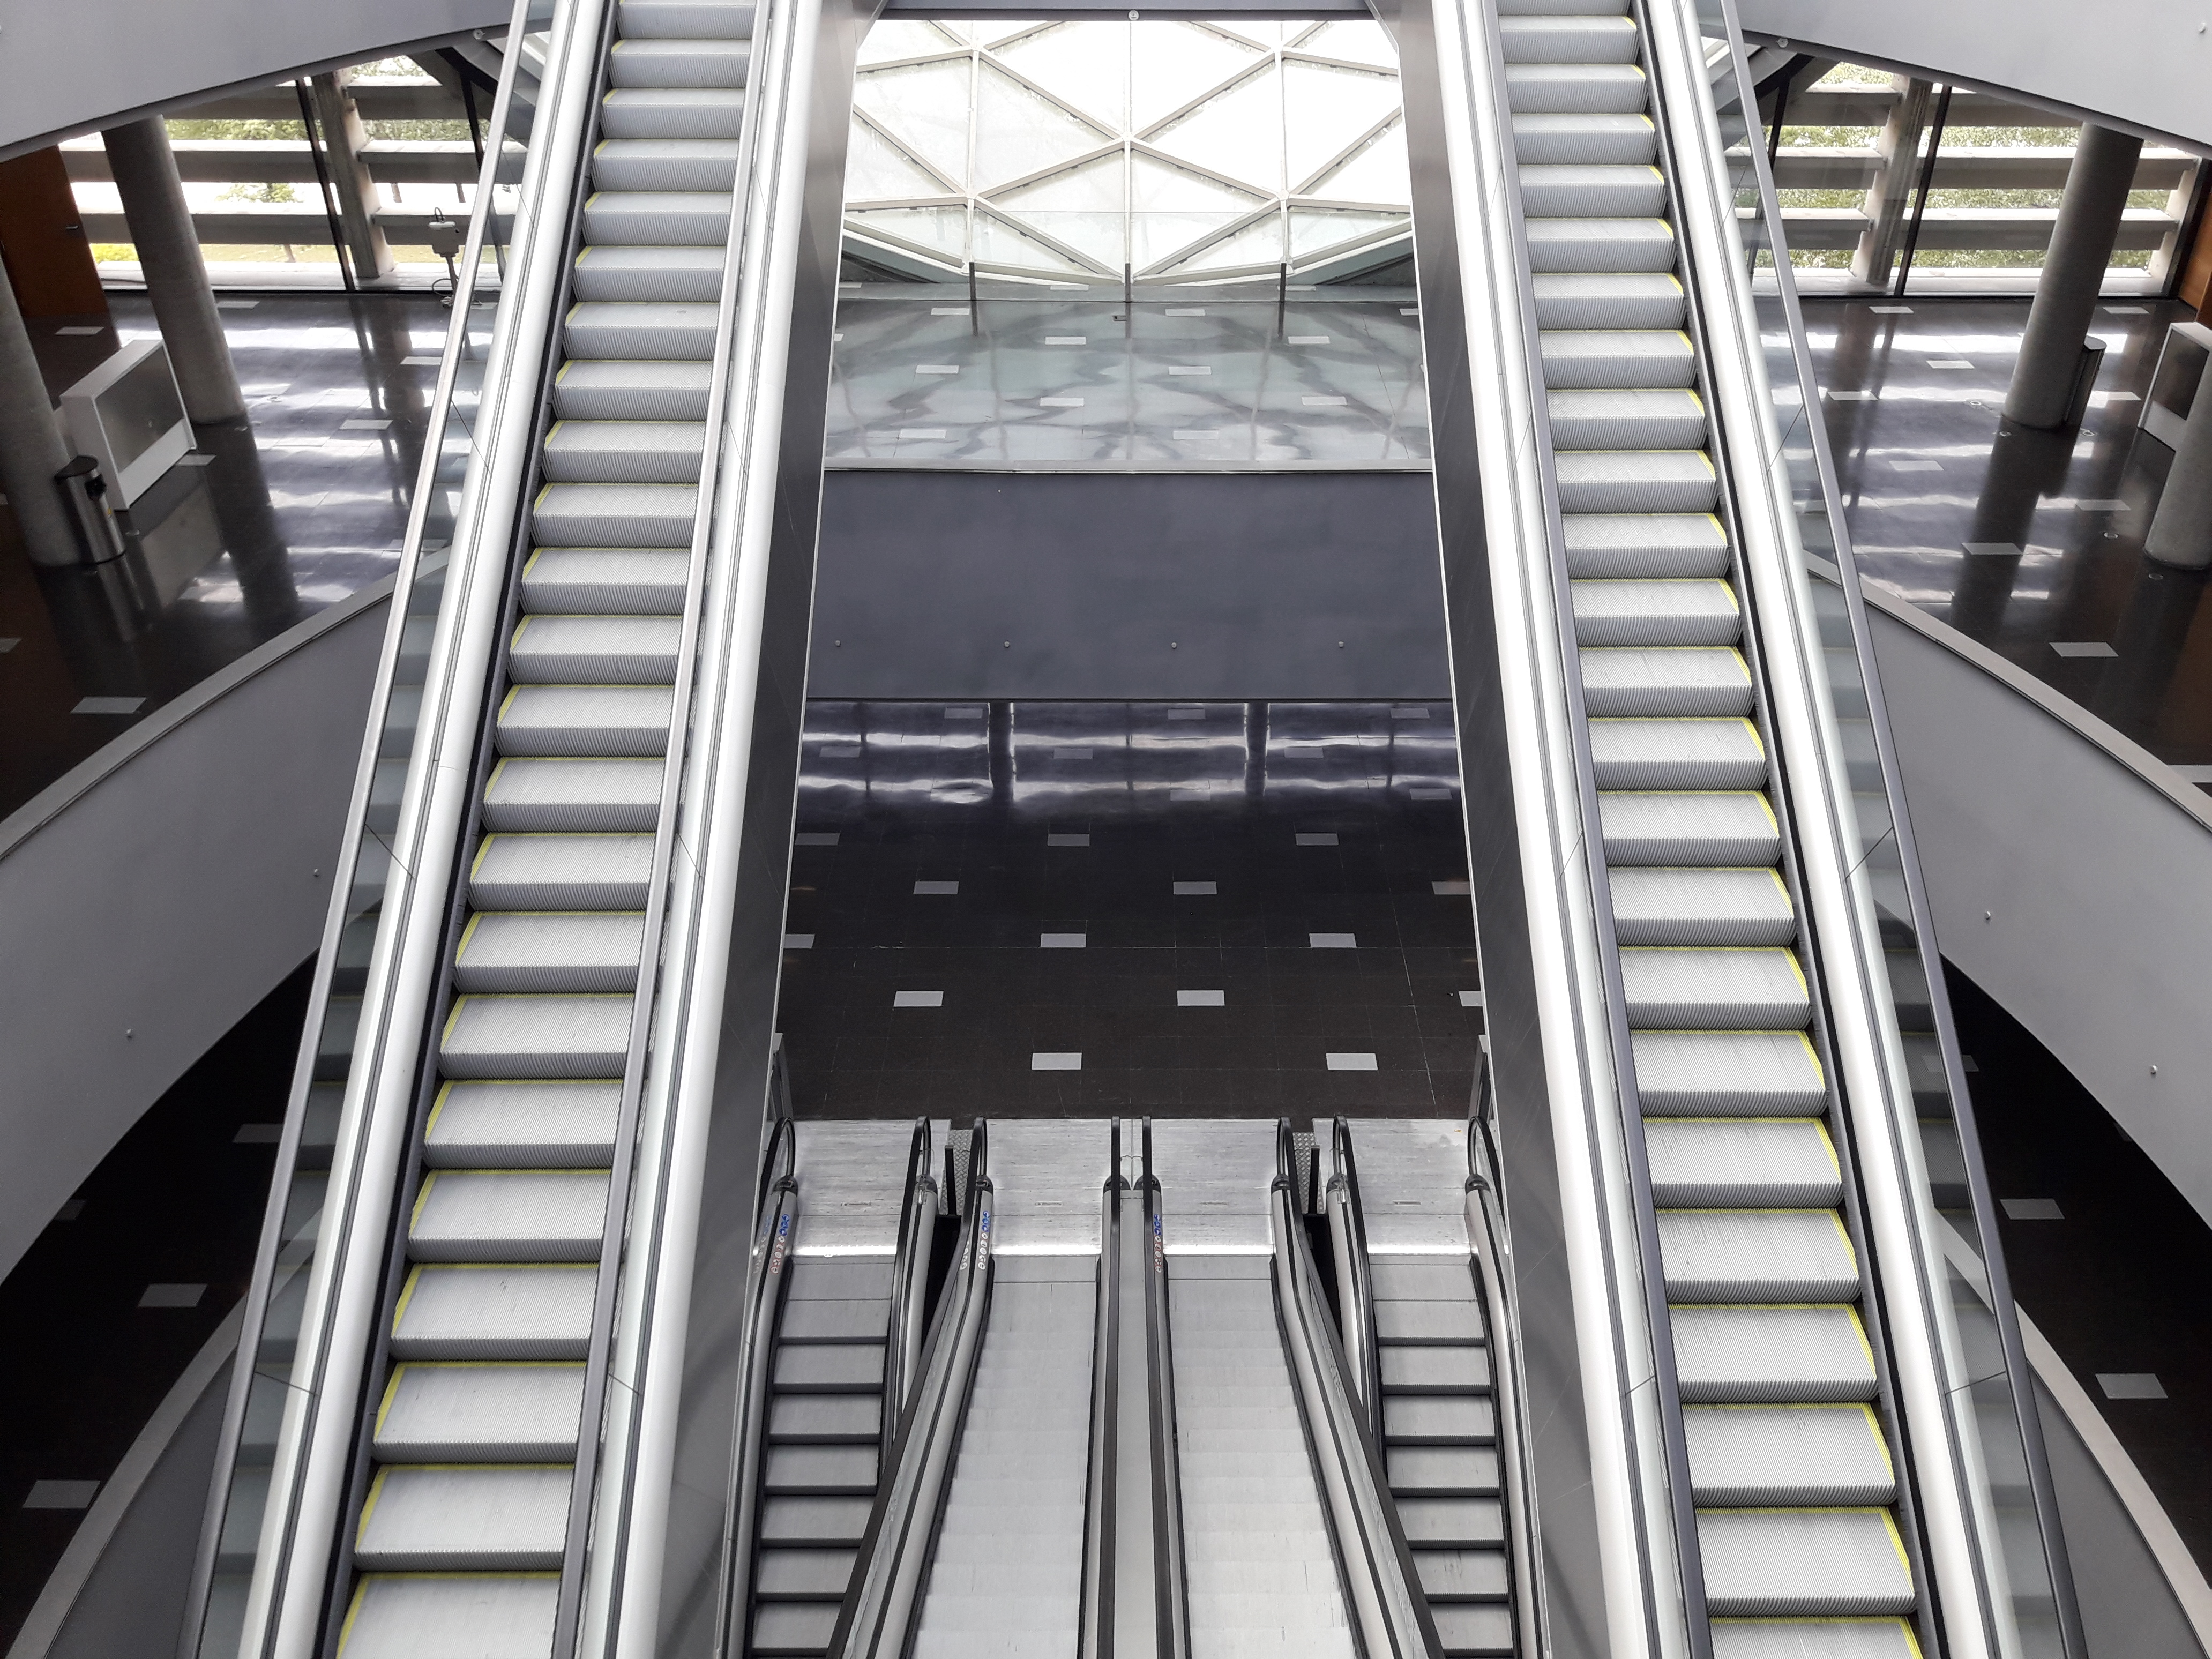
1493	1254
917	1236
877	1619
1355	1277
1389	1609
766	1286
1170	1565
1094	1611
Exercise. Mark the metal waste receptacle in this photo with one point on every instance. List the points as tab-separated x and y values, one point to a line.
2085	382
91	509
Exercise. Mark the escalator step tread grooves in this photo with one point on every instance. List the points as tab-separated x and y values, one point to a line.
474	1438
1791	1471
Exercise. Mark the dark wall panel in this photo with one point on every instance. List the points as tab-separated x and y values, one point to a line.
1158	586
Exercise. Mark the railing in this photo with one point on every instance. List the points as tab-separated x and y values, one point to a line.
1355	1286
2026	1591
1171	1569
1095	1612
910	1273
1388	1607
248	1529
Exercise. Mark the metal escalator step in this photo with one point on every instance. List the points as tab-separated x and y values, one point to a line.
820	1471
1475	1631
1556	189
689	64
1658	905
1451	1522
816	1278
642	388
1606	246
856	1320
1654	545
1438	1420
672	218
502	1312
1397	1279
1461	1576
522	1125
1728	1073
561	873
1682	681
534	794
438	1616
1461	1369
1437	1323
1757	1255
481	1414
629	581
1686	755
706	165
463	1518
684	19
1710	1163
1442	1470
585	719
672	112
557	952
1563	8
1744	1456
1799	1639
1604	360
554	650
817	1522
1608	300
1674	827
532	1037
827	1368
1803	1563
1628	418
789	1629
645	275
1684	611
1568	40
1576	89
600	329
1731	1355
615	516
1714	990
624	452
825	1419
509	1215
803	1575
1585	141
1636	481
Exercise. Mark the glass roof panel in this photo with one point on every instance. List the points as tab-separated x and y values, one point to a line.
1082	209
1239	132
1376	173
926	107
1315	231
1083	65
877	170
900	39
1355	43
1327	110
1018	132
1000	241
939	230
1172	63
1260	243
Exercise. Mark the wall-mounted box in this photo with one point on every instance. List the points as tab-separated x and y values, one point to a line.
2174	388
128	416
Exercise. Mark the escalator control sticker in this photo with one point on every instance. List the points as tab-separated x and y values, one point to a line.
782	1244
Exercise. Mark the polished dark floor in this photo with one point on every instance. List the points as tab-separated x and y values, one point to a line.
175	1208
298	506
1927	464
2116	1279
1058	879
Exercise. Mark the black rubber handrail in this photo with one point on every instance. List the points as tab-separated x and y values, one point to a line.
1170	1567
1095	1613
766	1286
1355	1282
1388	1611
917	1238
876	1620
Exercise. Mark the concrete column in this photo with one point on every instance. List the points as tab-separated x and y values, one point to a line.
31	447
2181	529
145	170
343	140
1899	147
2073	271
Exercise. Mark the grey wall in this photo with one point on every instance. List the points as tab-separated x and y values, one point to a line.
1197	585
2097	882
73	67
157	893
2141	62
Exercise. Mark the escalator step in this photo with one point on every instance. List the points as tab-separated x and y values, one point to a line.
528	1037
687	63
672	218
632	389
1459	1370
501	1413
789	1629
820	1471
1400	1280
1741	1162
1602	359
1585	141
1710	826
1860	1638
554	952
1758	990
1757	1255
585	719
1427	1322
1472	1630
416	1615
509	1215
857	1319
792	1575
1607	300
1576	89
703	165
1636	481
1686	682
818	1522
1730	1356
1688	611
1655	905
624	452
561	873
524	1126
1742	1457
830	1279
1448	1576
1677	754
613	515
1554	39
555	795
463	1518
1803	1563
825	1419
1432	1420
1628	418
1729	1073
1581	190
556	650
1451	1522
1442	1470
628	581
1645	544
829	1368
648	275
640	332
494	1313
1611	246
672	112
685	19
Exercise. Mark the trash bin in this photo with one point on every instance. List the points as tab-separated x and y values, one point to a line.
2085	381
92	511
